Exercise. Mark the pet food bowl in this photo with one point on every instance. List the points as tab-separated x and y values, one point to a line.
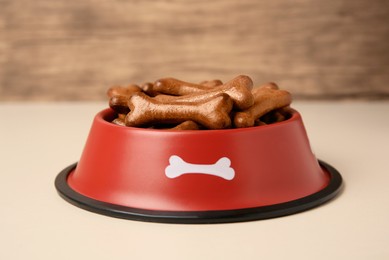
198	176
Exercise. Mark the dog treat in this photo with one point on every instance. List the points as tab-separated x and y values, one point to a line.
238	89
177	87
212	113
266	99
123	91
174	104
119	104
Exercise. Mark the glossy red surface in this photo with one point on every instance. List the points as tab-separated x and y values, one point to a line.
126	166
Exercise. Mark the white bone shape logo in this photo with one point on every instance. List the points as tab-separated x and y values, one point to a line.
178	167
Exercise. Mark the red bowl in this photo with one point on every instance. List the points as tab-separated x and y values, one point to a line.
199	176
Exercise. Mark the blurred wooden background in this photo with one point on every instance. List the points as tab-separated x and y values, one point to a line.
75	50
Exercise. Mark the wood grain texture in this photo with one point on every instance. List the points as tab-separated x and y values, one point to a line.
75	50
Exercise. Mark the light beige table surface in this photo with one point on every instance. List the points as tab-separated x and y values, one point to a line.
38	140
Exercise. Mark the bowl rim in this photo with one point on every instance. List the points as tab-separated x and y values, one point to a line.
102	118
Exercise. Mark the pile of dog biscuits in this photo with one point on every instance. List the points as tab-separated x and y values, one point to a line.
170	103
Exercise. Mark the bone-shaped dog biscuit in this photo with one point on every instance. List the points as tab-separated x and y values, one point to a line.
191	102
266	100
212	113
119	104
238	89
178	167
